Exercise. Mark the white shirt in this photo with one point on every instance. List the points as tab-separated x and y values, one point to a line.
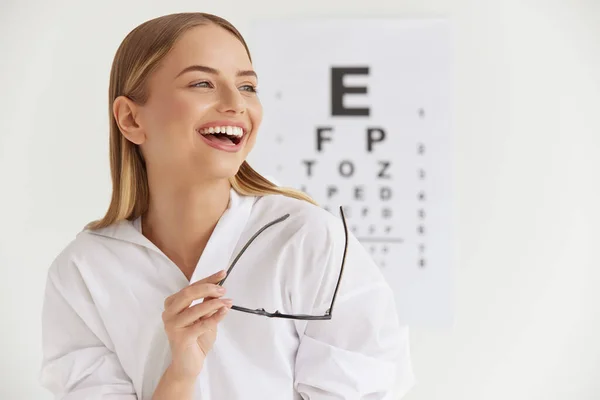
103	335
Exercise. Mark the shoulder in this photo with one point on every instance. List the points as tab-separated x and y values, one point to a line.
303	216
309	229
298	209
323	241
68	263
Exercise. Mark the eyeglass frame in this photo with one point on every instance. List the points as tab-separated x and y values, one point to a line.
304	317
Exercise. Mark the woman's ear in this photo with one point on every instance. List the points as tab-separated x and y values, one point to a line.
126	113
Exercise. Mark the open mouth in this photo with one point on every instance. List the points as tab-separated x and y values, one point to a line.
228	135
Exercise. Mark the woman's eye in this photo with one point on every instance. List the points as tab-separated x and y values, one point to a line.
248	88
202	84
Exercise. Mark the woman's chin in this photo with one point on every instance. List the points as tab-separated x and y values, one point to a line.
222	170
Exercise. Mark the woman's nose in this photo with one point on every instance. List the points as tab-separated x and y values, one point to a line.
231	101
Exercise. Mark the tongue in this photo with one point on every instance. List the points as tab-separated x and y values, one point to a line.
219	138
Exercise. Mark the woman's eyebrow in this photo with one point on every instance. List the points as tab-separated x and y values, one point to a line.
213	71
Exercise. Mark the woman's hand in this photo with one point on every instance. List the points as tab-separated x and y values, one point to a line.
192	330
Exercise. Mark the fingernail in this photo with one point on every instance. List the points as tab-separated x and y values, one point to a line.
228	301
221	289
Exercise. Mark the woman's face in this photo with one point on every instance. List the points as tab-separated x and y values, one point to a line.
205	85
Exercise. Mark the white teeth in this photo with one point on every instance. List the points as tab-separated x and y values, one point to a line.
228	130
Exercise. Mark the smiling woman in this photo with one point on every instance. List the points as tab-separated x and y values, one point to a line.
156	78
134	302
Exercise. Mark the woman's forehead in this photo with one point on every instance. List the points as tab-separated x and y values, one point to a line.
208	45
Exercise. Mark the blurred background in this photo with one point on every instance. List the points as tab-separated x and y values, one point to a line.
525	162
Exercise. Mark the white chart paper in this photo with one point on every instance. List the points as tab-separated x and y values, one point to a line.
357	114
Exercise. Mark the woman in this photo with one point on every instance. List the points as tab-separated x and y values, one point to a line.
129	311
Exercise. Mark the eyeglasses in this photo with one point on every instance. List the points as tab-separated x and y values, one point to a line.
276	314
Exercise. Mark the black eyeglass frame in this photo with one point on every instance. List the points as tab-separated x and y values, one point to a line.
261	311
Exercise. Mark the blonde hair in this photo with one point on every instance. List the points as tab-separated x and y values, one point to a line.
136	58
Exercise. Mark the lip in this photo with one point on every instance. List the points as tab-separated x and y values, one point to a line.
224	147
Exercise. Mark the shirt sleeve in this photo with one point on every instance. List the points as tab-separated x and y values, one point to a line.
362	352
77	364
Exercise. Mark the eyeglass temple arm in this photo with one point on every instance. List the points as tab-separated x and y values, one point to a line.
337	286
277	314
278	220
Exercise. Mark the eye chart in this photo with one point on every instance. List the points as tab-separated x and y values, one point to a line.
357	114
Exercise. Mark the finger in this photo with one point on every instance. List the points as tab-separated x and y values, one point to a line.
199	311
210	324
214	278
186	296
209	315
206	299
220	315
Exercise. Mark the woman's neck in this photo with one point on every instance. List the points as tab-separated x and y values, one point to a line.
181	219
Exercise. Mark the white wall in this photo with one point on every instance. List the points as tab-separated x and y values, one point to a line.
527	144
